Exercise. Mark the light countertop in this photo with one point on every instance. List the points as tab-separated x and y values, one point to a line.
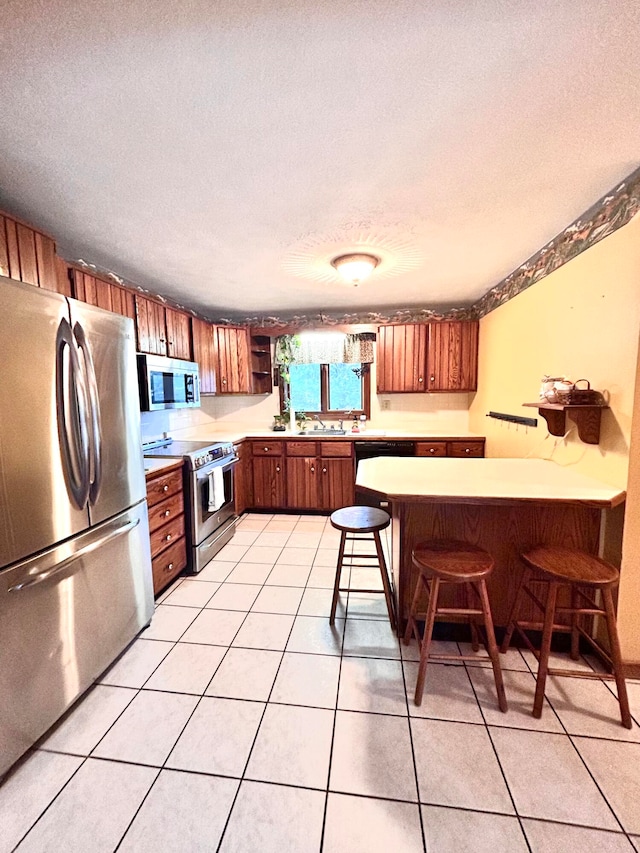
153	466
478	480
236	435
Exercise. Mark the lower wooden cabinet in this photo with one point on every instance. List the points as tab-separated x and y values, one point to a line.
337	483
320	475
166	525
269	485
243	478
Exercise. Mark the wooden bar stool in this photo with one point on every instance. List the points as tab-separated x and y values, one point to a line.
565	567
442	561
352	520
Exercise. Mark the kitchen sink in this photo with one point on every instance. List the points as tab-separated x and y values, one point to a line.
312	432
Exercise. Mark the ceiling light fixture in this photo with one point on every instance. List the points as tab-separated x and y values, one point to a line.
355	268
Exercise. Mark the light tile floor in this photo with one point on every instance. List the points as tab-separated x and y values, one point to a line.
241	721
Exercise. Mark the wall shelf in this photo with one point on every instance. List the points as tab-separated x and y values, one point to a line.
586	417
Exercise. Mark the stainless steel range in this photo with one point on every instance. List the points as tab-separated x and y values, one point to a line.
209	498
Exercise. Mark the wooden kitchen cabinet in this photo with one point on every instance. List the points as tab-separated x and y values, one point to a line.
28	255
105	294
452	356
204	353
260	360
441	356
232	345
150	326
178	334
401	358
243	478
269	484
320	475
166	525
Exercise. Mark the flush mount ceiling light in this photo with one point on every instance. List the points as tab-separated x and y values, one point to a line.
355	268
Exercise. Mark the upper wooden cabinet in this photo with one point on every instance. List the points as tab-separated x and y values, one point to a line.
204	353
104	294
452	356
401	358
178	334
233	360
150	326
28	255
441	356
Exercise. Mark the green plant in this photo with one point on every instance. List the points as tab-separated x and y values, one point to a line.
301	418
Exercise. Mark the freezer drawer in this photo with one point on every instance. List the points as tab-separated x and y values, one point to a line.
64	617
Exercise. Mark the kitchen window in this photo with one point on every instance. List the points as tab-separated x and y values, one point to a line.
329	389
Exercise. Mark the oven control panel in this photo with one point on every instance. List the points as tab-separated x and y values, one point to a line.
211	454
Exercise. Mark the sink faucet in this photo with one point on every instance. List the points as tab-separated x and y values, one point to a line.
340	424
322	424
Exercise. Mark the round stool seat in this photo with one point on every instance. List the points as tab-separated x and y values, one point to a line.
571	566
452	561
360	519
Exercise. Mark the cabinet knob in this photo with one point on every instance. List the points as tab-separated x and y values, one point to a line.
432	378
313	470
167	513
277	469
224	381
168	537
266	450
419	378
324	470
169	567
467	450
165	488
432	450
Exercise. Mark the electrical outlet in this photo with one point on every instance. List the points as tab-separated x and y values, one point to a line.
385	405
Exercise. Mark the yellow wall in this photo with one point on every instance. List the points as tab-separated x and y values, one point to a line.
582	321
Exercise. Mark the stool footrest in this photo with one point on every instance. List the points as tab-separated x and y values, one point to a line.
460	657
351	589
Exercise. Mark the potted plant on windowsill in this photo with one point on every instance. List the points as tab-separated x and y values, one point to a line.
301	419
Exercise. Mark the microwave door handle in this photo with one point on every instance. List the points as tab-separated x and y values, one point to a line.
95	432
71	426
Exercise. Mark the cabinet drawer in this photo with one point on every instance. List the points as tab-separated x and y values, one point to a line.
168	564
165	535
266	448
162	487
160	513
431	448
301	448
336	448
466	448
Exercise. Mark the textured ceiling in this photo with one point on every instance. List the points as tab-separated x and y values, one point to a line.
222	153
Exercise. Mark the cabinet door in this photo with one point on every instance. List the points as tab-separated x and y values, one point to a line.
337	483
204	354
302	483
94	291
453	356
233	360
242	479
178	334
401	358
27	255
268	482
150	326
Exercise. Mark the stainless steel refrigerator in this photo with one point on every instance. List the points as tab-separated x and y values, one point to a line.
75	562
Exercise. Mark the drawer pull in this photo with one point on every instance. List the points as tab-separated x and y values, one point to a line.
165	488
467	450
167	513
266	450
168	537
169	567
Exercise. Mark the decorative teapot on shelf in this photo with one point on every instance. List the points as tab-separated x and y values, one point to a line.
555	389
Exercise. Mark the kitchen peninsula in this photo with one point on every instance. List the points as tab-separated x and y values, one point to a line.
502	505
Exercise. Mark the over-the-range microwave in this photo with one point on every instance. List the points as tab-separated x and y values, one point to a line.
167	383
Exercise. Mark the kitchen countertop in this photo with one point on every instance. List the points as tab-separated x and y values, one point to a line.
154	466
373	435
482	480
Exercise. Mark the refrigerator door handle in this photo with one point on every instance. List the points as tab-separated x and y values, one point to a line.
41	574
72	425
95	433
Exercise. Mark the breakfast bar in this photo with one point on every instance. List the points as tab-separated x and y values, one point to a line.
505	506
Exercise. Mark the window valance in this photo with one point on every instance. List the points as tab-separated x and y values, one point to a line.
325	348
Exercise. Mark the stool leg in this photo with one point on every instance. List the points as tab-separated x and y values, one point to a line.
411	621
575	636
336	585
511	624
545	649
616	658
426	640
385	579
492	648
475	641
